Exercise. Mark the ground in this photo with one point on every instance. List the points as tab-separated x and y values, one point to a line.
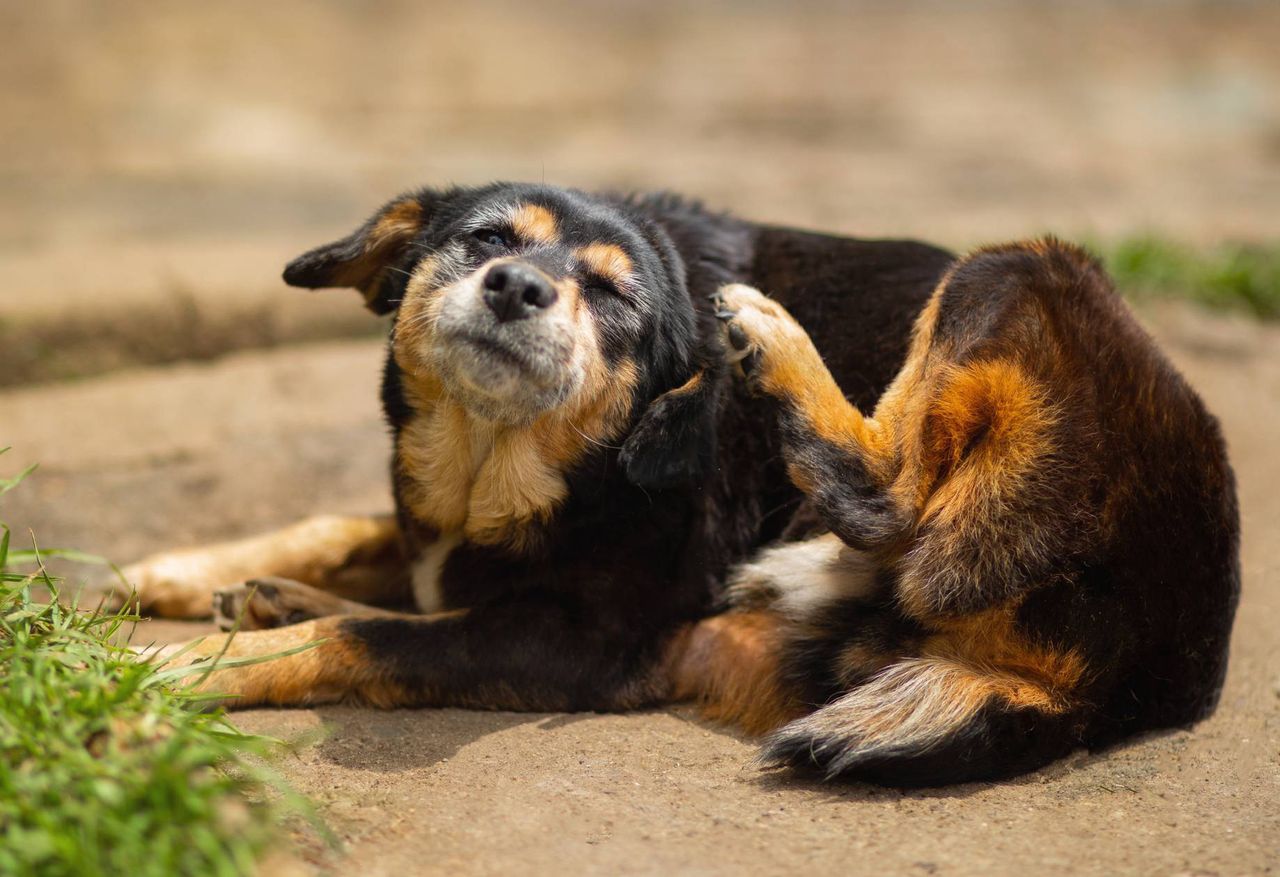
165	159
153	458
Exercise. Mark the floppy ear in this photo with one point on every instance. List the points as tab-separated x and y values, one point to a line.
673	443
360	259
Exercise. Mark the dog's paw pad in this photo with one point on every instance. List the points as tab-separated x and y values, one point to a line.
264	603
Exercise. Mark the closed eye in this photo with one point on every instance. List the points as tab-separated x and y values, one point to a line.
492	237
601	286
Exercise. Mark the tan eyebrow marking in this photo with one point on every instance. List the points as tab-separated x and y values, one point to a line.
535	224
607	260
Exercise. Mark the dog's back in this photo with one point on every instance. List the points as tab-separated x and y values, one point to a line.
1165	547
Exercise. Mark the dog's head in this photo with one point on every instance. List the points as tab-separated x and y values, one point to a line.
527	303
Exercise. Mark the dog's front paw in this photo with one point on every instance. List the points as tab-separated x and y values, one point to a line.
268	602
260	604
771	350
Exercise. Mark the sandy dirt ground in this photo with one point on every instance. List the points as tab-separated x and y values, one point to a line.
141	461
163	159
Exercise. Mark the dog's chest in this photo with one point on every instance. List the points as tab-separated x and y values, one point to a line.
473	482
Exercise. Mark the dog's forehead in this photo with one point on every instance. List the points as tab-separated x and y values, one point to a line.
556	216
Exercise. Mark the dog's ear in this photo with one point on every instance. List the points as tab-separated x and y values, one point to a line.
361	258
673	443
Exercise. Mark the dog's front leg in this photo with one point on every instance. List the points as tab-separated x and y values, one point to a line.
259	604
527	653
355	558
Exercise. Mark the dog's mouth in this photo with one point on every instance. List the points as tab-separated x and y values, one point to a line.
488	357
500	378
498	351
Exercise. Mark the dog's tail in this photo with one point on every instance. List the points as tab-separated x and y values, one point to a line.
930	721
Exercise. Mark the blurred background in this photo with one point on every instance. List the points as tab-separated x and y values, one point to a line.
162	160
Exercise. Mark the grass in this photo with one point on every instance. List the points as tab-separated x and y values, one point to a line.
108	764
1238	277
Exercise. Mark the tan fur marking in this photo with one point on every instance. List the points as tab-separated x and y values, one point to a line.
337	669
791	369
334	670
988	427
692	384
993	401
516	485
416	324
493	482
567	288
1019	672
608	261
397	224
858	661
535	224
986	433
728	664
399	221
442	450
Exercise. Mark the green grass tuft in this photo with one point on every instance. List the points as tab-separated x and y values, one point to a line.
1239	277
108	766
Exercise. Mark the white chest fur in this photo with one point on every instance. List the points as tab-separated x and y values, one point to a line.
427	569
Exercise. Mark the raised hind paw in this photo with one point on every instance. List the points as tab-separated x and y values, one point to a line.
772	351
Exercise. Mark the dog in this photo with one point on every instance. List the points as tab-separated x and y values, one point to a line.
574	468
597	421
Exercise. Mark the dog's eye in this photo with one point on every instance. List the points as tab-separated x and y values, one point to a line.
600	286
492	237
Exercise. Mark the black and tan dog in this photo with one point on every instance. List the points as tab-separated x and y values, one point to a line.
574	470
1034	541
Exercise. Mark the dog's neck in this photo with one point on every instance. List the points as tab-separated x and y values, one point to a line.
492	483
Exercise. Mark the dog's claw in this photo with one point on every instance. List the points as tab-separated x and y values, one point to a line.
725	315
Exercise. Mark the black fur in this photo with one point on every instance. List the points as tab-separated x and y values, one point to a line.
642	543
1064	575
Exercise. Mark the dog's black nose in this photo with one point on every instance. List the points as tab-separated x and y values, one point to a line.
514	291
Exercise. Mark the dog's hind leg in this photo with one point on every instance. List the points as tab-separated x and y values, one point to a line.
729	665
858	472
956	482
353	558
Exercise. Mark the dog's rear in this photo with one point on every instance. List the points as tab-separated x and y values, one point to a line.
1037	538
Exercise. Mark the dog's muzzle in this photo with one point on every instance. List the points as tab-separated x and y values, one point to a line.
506	343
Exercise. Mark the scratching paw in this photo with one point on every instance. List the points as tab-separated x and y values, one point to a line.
759	334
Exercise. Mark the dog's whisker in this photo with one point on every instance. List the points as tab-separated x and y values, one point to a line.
593	441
